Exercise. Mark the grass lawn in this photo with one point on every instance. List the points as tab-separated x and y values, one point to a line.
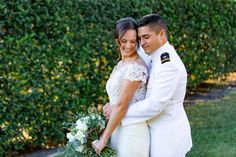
213	127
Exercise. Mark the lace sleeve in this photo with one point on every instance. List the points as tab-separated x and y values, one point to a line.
136	72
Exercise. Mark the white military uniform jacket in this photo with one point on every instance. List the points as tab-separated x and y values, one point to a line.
163	106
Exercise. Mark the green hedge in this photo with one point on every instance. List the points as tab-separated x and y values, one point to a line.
56	55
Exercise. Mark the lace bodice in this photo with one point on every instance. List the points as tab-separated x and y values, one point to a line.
132	72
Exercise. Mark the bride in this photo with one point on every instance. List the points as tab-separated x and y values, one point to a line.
126	85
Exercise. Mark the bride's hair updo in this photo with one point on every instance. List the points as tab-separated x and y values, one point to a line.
123	25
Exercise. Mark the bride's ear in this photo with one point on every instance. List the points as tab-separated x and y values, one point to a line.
117	42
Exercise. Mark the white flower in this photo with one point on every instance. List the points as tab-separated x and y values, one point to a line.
70	137
99	118
93	116
81	125
80	136
79	148
82	130
102	125
86	119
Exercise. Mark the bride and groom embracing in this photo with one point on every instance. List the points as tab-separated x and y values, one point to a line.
145	112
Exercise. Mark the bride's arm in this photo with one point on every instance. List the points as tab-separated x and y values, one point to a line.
118	112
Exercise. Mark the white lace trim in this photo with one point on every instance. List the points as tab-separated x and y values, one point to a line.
132	72
136	72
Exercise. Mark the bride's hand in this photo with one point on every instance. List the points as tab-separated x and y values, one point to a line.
99	145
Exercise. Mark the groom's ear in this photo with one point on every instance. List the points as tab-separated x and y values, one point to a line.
163	35
162	32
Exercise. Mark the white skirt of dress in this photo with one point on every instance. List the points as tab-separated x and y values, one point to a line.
131	141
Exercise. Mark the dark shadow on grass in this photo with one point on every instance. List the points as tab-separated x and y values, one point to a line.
211	90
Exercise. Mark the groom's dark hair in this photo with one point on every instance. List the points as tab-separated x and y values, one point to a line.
154	21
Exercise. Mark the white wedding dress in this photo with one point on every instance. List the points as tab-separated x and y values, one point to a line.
132	140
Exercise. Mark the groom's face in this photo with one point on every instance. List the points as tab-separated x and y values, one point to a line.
149	39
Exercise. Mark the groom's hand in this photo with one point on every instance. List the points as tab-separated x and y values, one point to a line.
107	110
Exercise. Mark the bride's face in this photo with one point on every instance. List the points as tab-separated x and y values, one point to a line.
127	43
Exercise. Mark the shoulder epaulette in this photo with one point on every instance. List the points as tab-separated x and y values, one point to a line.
165	57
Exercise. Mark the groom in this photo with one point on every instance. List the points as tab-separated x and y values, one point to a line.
163	106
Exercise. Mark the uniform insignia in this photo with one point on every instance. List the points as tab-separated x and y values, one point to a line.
165	57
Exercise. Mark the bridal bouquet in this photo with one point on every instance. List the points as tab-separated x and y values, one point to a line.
82	133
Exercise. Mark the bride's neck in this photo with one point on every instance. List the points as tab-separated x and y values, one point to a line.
130	58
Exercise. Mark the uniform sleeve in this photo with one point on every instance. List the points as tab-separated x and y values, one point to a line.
136	72
164	86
